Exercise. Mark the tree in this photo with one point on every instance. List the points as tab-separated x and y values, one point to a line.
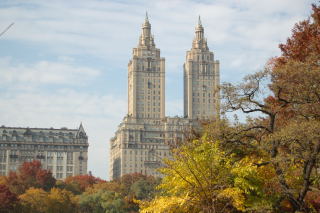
39	201
102	201
203	178
78	184
144	189
8	200
30	174
34	201
120	194
304	40
62	201
289	118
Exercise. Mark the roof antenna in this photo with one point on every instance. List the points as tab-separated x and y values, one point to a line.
199	21
3	32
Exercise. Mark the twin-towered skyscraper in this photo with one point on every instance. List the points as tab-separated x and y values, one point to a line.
146	79
144	136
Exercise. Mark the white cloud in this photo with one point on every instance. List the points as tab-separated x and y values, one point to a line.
44	72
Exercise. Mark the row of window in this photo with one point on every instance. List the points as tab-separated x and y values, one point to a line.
142	79
153	115
40	147
203	57
155	97
156	103
202	77
197	100
142	152
203	94
37	139
141	171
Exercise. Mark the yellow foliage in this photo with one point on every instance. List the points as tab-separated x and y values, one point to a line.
163	204
3	180
57	200
197	175
236	195
61	199
34	200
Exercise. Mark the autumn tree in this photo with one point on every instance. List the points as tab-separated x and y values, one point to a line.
118	195
30	174
8	200
202	177
36	200
102	201
289	118
62	201
78	184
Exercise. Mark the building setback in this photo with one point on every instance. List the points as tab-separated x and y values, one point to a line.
145	135
62	151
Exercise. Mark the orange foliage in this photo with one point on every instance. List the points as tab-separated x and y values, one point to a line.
314	199
305	39
30	174
83	181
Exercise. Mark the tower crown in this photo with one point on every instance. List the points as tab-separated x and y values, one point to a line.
146	39
199	26
146	23
199	42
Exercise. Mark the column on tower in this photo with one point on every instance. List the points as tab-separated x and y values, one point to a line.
146	78
201	79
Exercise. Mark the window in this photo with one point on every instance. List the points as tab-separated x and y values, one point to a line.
69	168
59	160
59	168
69	158
59	175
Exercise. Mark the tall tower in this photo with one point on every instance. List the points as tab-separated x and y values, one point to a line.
146	78
201	79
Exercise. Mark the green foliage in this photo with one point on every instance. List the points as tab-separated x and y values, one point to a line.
101	201
143	189
120	195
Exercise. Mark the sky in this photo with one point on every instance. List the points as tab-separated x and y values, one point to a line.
65	62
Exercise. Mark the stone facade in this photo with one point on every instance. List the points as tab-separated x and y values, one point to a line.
62	151
139	145
146	135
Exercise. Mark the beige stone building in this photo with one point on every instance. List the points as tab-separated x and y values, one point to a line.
201	79
145	135
146	78
62	151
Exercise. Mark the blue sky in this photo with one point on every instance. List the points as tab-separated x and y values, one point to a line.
65	62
